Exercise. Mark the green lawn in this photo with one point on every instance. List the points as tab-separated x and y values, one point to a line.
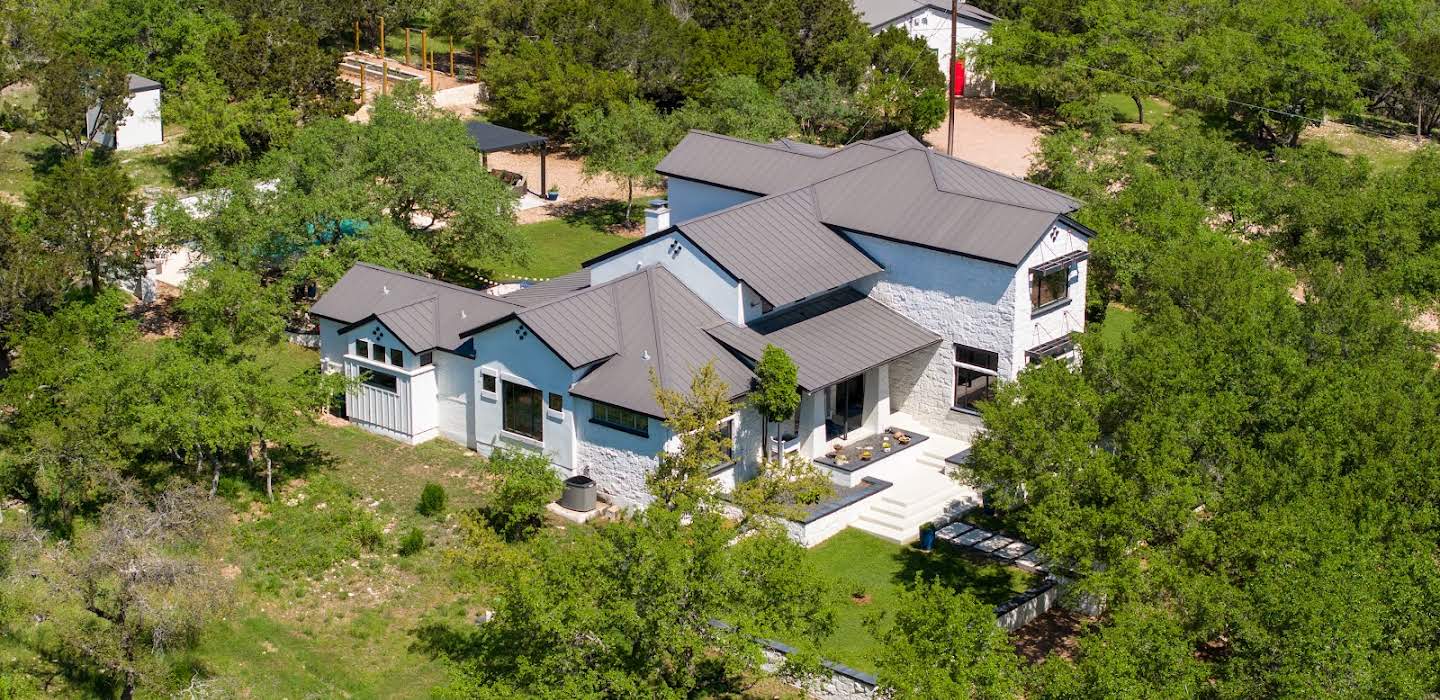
1385	153
558	246
1118	320
858	561
1156	110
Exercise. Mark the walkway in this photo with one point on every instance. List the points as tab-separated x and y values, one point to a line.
923	490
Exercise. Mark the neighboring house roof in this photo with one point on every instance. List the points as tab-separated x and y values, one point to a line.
890	187
832	338
878	13
423	313
141	84
778	246
643	321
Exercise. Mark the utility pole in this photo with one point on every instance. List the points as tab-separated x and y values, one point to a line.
950	116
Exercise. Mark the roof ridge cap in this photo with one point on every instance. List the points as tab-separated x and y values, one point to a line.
1007	176
432	280
654	325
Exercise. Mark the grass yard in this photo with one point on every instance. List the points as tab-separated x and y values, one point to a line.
558	246
1118	320
1384	153
856	561
1156	109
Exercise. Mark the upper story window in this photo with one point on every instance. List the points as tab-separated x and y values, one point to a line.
622	419
377	352
975	375
1050	287
397	357
362	348
425	359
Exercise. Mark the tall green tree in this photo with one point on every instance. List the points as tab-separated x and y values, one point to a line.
737	106
86	209
625	141
776	395
80	100
939	643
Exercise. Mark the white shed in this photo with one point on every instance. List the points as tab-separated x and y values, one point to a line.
932	21
142	127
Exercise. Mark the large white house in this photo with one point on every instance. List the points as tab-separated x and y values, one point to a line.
903	283
931	20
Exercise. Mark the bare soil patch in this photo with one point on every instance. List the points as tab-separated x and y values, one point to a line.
991	133
1057	631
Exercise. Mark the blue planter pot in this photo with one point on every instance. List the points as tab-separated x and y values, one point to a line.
552	196
927	540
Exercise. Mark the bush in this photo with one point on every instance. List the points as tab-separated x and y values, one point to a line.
412	542
368	533
432	500
527	484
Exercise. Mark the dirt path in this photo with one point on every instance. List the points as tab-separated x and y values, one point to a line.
990	133
563	171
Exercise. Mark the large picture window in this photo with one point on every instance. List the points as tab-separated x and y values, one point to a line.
524	410
975	373
1048	288
620	419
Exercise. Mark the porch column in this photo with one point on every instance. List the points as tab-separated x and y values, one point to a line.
812	424
877	399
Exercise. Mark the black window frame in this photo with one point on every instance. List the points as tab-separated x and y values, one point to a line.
974	377
551	399
492	380
1041	282
397	357
726	430
518	416
425	359
613	418
362	343
383	381
378	353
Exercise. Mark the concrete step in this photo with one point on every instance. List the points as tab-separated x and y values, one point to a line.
885	530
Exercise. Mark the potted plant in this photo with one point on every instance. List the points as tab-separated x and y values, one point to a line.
885	445
554	193
927	537
865	454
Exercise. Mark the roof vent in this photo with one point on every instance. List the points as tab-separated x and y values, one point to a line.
385	289
645	355
462	314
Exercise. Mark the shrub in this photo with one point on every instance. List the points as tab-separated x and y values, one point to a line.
368	533
412	542
527	484
432	500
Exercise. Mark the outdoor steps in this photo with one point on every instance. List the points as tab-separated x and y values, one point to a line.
920	496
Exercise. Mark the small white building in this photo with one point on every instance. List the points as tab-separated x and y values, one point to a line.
932	21
142	127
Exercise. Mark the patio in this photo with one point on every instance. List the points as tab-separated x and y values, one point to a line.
869	450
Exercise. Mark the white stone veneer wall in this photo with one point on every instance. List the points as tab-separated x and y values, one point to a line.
964	300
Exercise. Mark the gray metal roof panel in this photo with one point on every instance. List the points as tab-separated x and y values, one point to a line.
779	246
549	290
367	290
764	168
832	338
876	13
140	83
414	323
661	328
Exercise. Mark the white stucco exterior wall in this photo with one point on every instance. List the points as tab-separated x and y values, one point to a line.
454	397
522	358
142	127
1031	330
964	300
691	265
934	26
689	199
409	413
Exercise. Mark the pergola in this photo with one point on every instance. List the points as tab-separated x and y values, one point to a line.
493	137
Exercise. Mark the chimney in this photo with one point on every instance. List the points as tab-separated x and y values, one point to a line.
657	216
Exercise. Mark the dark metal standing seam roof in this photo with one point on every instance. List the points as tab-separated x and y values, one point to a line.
778	246
493	137
139	83
627	327
549	290
423	313
762	168
832	338
876	13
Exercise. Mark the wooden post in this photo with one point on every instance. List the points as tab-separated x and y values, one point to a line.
452	55
950	116
363	68
382	37
357	36
407	46
385	78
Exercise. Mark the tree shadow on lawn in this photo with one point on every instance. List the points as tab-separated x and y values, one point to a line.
986	580
291	462
600	214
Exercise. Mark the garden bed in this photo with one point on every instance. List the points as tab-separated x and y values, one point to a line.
851	457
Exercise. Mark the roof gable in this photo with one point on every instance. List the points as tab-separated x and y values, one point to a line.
424	313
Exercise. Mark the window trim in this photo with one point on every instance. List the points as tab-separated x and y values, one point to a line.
378	348
355	350
494	377
993	373
594	418
425	359
550	409
397	357
540	413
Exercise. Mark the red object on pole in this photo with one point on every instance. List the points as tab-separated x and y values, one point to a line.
959	82
954	90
